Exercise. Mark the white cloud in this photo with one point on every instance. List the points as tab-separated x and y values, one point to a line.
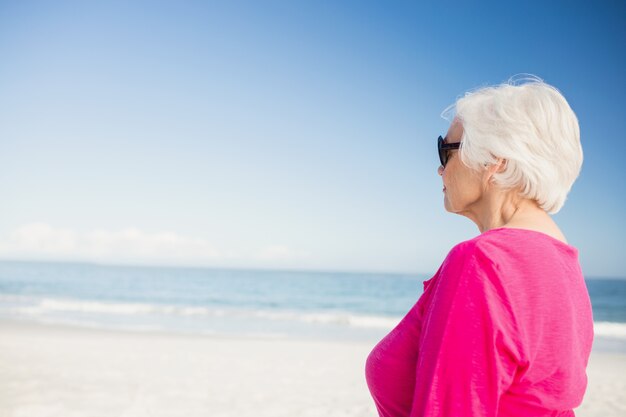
42	241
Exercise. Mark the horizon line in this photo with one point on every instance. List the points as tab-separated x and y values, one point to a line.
354	271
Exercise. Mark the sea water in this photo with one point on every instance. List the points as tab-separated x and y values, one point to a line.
241	303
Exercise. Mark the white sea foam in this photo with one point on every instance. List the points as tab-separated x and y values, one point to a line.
97	307
332	317
46	306
610	329
43	307
354	320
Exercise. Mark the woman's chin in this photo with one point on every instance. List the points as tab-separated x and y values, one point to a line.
449	207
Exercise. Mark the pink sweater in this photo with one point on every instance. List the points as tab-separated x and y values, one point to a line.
504	328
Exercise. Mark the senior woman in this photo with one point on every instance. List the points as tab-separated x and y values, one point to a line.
504	327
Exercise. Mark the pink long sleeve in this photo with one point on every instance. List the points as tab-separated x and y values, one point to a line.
468	355
504	328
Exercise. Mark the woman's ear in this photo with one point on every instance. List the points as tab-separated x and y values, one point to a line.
491	169
502	163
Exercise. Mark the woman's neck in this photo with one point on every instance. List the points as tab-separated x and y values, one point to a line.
509	210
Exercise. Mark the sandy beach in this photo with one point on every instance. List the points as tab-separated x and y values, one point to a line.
51	370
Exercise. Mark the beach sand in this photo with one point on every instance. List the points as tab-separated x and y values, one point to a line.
51	370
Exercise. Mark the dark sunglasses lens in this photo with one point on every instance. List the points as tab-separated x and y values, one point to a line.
443	154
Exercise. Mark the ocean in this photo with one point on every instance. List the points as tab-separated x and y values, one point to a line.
242	303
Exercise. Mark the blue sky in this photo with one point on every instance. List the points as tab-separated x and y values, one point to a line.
282	134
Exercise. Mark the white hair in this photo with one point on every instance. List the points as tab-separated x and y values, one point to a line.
529	124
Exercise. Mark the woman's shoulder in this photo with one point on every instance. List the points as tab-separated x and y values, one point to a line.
500	248
523	237
509	236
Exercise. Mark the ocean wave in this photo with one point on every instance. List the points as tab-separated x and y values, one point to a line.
47	305
334	317
610	329
44	307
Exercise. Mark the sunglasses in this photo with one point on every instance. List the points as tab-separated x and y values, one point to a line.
443	149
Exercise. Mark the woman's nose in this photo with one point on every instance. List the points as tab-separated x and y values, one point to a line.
440	170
